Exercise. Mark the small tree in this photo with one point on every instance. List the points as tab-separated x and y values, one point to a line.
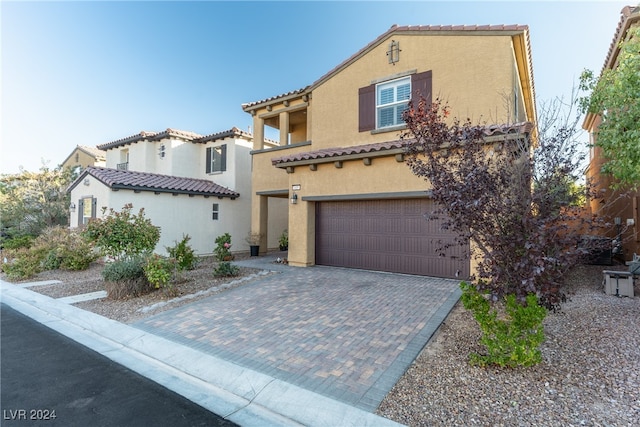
615	95
33	201
123	234
512	198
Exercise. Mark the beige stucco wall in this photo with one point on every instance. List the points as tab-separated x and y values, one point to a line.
83	160
477	75
472	73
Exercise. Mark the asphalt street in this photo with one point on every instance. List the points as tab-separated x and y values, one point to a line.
47	379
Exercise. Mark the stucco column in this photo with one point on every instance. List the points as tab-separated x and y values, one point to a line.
258	133
284	128
302	230
260	219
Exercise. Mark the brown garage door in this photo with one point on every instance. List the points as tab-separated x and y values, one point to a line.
386	235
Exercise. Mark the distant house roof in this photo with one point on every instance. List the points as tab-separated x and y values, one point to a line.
168	133
380	147
406	29
144	181
94	152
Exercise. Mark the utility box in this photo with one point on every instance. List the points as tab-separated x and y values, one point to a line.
618	283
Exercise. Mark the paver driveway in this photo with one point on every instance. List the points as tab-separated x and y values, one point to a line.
347	334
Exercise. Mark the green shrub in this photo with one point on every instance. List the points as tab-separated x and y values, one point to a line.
18	242
51	260
57	247
23	263
222	250
66	249
226	269
122	234
124	269
183	254
78	254
159	272
512	338
125	278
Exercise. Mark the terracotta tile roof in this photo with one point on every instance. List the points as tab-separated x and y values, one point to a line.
628	15
407	29
524	128
144	181
233	132
149	136
273	98
176	133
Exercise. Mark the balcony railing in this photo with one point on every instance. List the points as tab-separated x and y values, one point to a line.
123	166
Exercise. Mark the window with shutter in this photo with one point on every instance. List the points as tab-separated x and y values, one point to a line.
87	209
381	105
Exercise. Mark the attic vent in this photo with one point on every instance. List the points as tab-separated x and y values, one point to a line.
393	54
161	151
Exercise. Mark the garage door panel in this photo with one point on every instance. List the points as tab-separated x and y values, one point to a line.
386	235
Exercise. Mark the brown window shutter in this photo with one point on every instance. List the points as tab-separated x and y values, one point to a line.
208	167
80	210
421	86
367	108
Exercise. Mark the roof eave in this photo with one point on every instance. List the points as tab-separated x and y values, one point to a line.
172	191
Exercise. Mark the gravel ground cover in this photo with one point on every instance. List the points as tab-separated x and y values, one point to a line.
590	374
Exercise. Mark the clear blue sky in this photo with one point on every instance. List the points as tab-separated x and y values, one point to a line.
87	73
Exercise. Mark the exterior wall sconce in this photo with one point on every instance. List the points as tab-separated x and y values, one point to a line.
72	207
294	199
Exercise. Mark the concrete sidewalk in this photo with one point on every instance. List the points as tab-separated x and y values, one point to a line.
244	396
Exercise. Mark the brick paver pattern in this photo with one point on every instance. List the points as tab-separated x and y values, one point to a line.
347	334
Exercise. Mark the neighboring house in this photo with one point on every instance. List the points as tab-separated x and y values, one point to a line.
83	156
353	202
187	183
620	208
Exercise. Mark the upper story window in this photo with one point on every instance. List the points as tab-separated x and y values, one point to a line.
381	104
217	159
124	160
391	101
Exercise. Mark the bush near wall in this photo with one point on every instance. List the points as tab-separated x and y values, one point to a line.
56	248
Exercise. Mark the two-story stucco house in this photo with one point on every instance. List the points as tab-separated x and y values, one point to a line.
619	207
353	202
84	156
188	184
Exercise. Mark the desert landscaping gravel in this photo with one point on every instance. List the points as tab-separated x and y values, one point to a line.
590	373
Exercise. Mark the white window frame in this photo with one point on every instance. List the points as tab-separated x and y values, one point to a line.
215	212
392	97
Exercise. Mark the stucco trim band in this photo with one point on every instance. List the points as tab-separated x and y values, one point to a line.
370	196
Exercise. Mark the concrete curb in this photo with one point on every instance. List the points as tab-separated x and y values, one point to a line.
241	395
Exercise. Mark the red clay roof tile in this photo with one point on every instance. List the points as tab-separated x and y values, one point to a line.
525	127
144	181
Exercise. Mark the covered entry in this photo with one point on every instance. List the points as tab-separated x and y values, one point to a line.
386	235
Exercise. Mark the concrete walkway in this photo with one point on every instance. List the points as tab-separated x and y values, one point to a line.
308	346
